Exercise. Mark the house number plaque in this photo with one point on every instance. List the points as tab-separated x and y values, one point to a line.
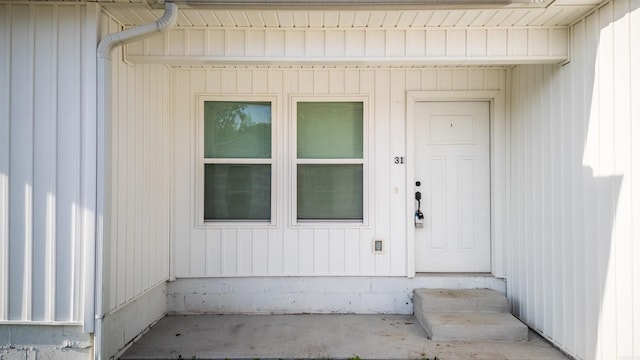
398	160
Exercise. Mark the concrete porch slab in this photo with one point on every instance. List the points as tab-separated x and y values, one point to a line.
317	337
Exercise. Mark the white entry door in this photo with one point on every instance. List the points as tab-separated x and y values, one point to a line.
453	168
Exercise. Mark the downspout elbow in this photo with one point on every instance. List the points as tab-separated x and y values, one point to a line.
165	23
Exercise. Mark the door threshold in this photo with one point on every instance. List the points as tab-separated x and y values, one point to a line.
449	280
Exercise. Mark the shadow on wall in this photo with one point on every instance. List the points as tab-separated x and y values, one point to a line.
573	225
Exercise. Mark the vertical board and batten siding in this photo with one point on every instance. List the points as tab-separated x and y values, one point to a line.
139	179
285	249
45	87
574	269
44	94
436	46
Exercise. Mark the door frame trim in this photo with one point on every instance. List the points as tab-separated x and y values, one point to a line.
498	168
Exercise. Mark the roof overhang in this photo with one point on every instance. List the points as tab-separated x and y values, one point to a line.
358	4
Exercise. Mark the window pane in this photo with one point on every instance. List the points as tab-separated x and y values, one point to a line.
237	129
330	192
330	130
237	192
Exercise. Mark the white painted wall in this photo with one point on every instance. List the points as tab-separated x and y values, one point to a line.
47	173
138	223
574	273
139	179
285	249
47	88
51	342
320	295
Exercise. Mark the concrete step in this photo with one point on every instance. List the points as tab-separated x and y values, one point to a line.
467	315
474	326
446	300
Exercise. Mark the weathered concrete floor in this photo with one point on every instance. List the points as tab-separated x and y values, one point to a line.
317	337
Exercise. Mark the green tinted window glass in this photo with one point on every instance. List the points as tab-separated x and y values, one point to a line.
330	130
331	192
237	129
237	192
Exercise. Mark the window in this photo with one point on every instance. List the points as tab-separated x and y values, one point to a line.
237	160
330	160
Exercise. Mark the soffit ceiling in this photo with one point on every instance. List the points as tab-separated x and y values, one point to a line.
556	13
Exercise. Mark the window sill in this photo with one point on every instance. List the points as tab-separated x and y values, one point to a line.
330	224
221	224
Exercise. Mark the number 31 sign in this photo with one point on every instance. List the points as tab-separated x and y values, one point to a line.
398	160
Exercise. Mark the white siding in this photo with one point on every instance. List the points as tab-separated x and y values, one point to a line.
284	249
433	46
574	273
42	113
139	180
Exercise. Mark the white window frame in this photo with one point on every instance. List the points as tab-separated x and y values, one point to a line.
202	161
367	182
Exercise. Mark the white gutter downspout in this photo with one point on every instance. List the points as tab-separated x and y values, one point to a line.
107	44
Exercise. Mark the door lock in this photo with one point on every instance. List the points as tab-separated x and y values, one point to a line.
418	216
419	219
